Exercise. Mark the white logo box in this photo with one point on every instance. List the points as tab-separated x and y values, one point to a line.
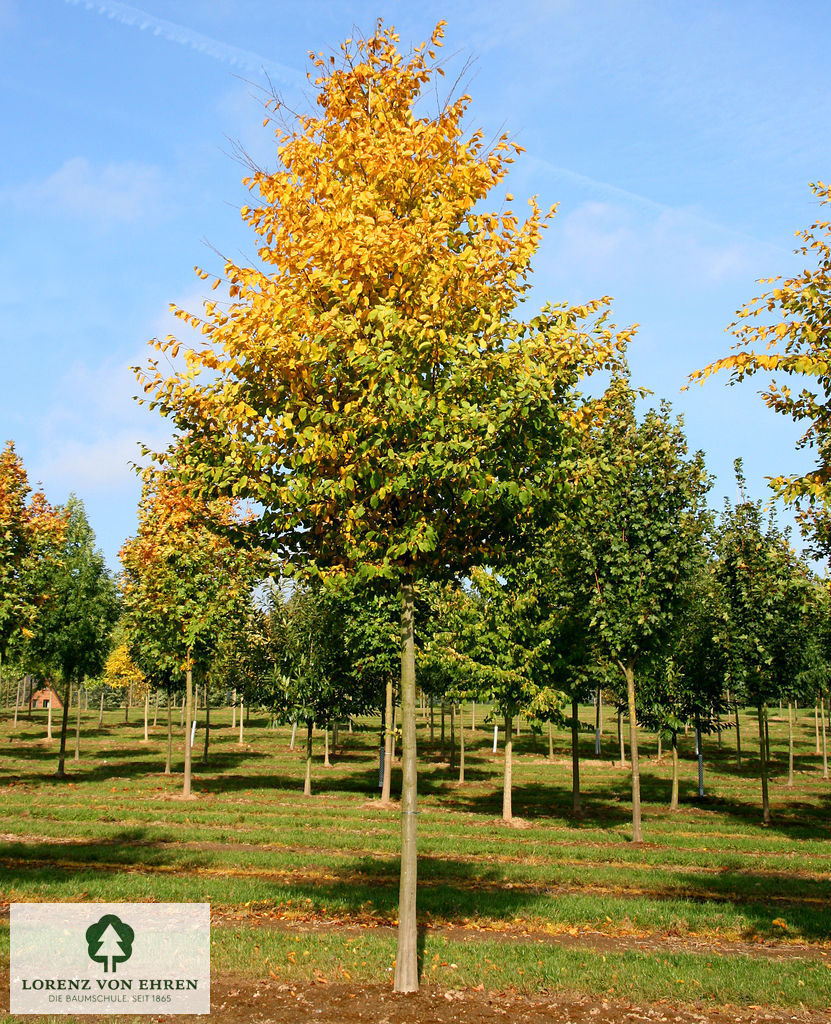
75	958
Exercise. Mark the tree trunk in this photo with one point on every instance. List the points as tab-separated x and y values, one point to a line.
790	745
550	742
699	752
387	774
816	728
452	736
432	722
335	726
763	762
49	721
473	718
824	743
146	715
406	963
575	758
767	734
620	738
738	739
507	809
156	711
61	773
127	696
441	747
307	785
598	721
16	704
461	751
629	672
101	711
207	725
169	736
326	762
673	802
78	725
234	714
241	709
188	719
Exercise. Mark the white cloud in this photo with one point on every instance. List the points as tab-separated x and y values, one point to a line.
115	192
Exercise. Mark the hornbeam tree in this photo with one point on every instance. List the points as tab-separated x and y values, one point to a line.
368	385
184	585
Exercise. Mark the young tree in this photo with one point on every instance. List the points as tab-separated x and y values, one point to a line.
30	534
368	386
72	632
633	544
184	584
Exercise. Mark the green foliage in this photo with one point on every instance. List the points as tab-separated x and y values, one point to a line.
72	633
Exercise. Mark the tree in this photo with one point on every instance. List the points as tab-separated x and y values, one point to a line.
765	599
184	584
30	532
368	386
633	543
72	632
790	325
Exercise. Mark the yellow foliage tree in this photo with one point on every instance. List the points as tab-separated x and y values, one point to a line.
368	387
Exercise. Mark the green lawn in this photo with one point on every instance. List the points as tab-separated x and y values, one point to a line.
707	888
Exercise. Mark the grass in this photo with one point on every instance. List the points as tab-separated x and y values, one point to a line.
254	848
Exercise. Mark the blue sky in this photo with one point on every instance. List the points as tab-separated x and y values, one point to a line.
679	139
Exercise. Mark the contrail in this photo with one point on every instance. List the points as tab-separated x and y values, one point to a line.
185	36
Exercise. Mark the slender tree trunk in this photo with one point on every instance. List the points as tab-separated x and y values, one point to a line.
673	802
207	725
241	719
620	738
461	752
169	735
156	711
293	735
767	735
432	722
824	743
452	736
146	715
49	721
441	748
699	751
335	726
17	704
387	774
182	714
598	721
507	777
188	720
78	725
790	745
326	762
550	742
234	713
61	773
307	785
406	963
738	739
473	717
816	728
575	758
127	696
629	672
660	745
763	762
101	711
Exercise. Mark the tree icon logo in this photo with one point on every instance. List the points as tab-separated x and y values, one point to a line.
110	941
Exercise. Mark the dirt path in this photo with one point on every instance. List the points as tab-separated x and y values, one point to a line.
569	938
243	1000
